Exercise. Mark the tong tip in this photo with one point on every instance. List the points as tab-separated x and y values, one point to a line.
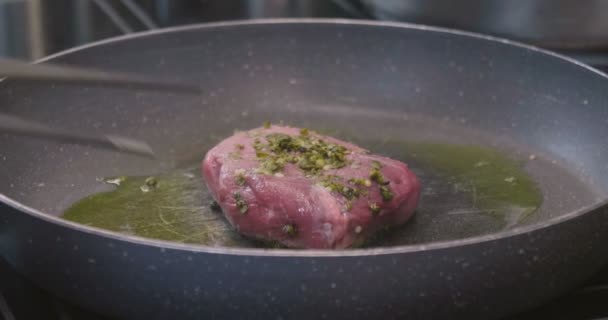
132	146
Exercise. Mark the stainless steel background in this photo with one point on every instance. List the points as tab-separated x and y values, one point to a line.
34	28
558	24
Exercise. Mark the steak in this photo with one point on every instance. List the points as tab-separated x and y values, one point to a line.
306	190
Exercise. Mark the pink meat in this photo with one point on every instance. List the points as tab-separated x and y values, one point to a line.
294	209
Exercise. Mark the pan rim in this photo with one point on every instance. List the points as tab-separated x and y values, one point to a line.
312	253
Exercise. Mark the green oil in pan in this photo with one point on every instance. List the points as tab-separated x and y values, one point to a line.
493	181
174	206
467	191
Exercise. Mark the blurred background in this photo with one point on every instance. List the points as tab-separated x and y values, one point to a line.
34	28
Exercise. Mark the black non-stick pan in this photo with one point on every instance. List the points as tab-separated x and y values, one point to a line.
366	81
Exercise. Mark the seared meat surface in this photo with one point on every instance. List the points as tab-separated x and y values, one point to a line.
306	190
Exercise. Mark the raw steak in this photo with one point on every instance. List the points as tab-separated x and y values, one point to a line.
306	190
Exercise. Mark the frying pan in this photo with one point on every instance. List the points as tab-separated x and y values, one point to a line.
370	79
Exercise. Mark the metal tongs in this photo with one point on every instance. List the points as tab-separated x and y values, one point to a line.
23	127
21	70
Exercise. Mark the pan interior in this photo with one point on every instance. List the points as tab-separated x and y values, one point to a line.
380	86
462	196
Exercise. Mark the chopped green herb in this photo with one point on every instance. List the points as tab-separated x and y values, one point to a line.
290	230
349	193
387	194
376	165
271	166
239	177
261	154
151	182
355	181
279	142
305	164
348	205
375	209
241	204
360	182
320	163
311	154
376	176
330	182
333	184
267	124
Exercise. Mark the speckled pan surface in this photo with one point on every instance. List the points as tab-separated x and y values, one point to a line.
368	79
